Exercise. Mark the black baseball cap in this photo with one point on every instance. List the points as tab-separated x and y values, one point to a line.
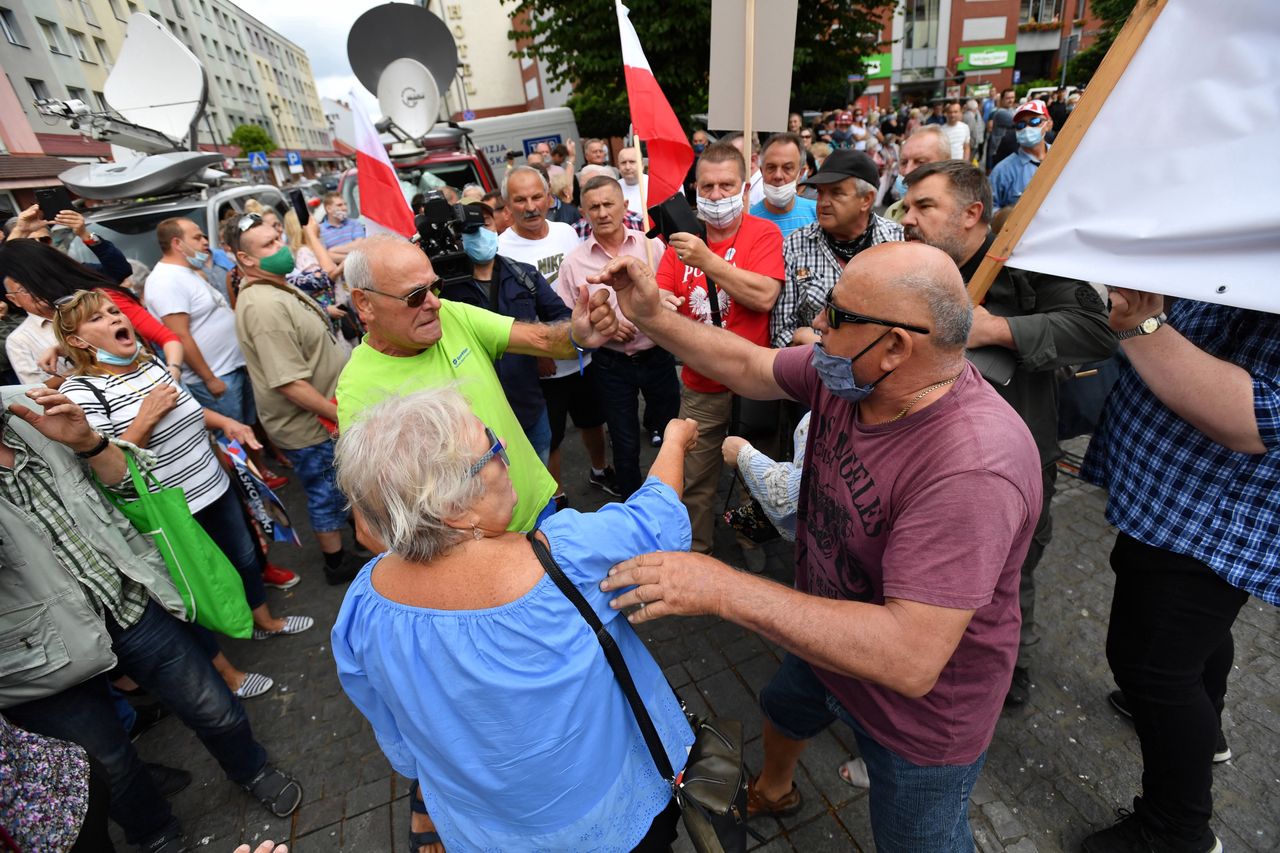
845	163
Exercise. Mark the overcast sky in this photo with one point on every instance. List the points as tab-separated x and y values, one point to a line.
320	28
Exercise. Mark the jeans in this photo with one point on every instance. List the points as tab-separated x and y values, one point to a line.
539	435
326	506
1040	540
161	655
913	807
225	522
235	403
1170	650
620	380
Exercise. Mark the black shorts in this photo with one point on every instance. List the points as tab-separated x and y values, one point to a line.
576	396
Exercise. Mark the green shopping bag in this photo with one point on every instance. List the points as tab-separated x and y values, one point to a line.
209	585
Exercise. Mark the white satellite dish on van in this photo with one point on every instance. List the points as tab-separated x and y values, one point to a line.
157	82
408	96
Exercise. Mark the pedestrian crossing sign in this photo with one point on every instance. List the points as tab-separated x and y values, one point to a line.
258	161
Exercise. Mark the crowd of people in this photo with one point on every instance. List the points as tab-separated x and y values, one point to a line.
815	335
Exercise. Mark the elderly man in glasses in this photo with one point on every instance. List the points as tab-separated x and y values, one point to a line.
293	359
921	493
416	340
1031	126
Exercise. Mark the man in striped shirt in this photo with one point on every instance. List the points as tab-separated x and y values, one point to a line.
338	231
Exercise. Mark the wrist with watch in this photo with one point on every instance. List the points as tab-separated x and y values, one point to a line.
102	444
1146	327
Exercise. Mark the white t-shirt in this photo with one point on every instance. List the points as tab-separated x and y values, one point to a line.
957	135
545	256
635	203
174	289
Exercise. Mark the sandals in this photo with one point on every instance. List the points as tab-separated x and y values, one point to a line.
785	806
278	792
418	840
292	625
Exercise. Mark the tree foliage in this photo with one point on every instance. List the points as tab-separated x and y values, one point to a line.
251	137
1113	14
578	45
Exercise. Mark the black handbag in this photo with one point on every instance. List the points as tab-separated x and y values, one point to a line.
712	789
749	519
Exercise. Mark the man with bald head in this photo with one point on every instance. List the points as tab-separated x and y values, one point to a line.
920	495
416	340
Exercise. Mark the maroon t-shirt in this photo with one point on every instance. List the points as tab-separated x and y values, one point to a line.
938	508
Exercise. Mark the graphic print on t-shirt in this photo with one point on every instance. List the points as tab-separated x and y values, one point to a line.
699	301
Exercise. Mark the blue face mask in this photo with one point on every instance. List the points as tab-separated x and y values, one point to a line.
900	186
481	246
698	147
836	373
1029	137
198	260
105	357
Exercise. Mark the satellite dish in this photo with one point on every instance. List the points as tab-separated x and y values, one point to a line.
394	31
156	83
408	96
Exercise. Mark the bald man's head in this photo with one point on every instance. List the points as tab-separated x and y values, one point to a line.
910	283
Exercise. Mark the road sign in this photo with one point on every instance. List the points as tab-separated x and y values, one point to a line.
295	162
258	161
468	115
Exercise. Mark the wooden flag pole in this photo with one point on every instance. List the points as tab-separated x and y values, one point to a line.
1104	80
644	197
747	89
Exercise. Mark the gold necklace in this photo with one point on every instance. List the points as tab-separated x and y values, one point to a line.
902	414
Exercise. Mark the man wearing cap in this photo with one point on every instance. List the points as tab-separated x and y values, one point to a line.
842	136
1031	123
815	255
517	290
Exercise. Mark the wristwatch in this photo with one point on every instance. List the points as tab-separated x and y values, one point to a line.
103	443
1146	327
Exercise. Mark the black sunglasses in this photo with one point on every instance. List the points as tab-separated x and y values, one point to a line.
414	298
837	315
1021	124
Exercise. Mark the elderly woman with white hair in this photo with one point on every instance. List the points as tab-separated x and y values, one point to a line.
482	681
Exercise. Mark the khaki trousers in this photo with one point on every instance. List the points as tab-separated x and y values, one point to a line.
703	464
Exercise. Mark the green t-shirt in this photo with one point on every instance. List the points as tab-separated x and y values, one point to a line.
471	339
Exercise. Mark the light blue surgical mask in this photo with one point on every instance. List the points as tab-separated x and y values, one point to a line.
198	260
481	245
900	186
1029	137
836	372
105	357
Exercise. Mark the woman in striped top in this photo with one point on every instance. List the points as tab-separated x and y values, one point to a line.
125	394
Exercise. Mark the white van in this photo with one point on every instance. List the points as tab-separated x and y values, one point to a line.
519	132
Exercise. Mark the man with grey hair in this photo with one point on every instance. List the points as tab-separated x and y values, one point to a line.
416	340
1029	326
926	144
907	637
816	254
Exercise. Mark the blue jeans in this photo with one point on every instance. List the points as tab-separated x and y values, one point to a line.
620	379
161	655
326	506
913	807
539	435
224	520
235	403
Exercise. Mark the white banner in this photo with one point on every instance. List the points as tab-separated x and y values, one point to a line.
1175	187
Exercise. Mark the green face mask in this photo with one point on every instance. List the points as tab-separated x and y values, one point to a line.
281	263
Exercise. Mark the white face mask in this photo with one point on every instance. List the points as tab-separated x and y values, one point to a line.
720	213
780	196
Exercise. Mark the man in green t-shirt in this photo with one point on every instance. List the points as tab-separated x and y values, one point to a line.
416	340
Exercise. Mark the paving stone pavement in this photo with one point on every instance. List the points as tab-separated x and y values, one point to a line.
1057	770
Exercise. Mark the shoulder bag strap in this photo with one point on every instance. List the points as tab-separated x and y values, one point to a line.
612	654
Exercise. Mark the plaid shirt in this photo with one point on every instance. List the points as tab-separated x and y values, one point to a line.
31	489
1173	487
631	220
812	270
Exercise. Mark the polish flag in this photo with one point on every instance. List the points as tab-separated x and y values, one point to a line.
670	154
381	200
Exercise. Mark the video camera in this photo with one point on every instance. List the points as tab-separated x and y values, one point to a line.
440	229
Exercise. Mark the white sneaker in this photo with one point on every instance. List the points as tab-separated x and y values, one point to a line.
854	773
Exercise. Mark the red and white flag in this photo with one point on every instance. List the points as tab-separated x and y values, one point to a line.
381	199
670	154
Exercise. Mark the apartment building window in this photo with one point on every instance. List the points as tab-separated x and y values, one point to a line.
87	10
78	95
101	102
103	51
81	46
38	89
1040	11
177	9
51	36
116	10
9	23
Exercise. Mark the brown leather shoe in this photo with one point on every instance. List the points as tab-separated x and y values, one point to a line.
758	805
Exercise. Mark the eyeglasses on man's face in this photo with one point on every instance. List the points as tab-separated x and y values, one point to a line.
836	316
414	298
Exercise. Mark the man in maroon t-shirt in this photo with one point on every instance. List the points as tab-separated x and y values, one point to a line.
921	491
743	257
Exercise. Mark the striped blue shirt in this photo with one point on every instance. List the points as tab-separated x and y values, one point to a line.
338	235
1171	486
